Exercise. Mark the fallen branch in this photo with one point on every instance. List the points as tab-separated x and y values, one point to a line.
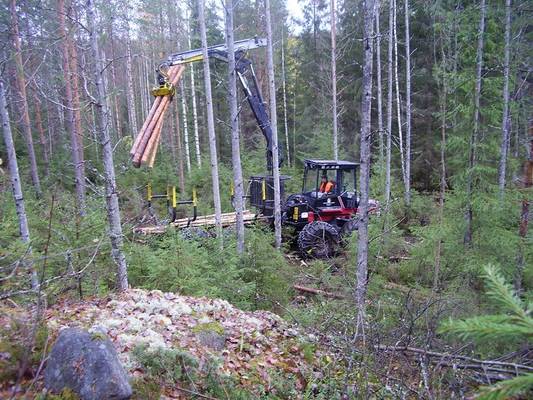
489	364
317	291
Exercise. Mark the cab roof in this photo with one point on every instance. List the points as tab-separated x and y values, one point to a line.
331	164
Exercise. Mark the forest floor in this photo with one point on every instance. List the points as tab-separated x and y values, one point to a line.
249	348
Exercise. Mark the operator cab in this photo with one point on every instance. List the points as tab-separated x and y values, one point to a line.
342	178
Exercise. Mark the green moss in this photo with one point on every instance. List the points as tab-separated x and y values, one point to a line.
146	389
213	326
66	394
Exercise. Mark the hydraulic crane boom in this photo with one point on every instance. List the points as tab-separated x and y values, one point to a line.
246	74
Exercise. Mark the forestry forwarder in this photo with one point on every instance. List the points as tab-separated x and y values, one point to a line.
320	219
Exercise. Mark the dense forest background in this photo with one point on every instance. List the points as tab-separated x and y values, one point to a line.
454	213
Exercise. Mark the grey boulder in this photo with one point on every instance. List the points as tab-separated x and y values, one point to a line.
88	365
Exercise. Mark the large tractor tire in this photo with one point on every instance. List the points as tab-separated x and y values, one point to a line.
318	239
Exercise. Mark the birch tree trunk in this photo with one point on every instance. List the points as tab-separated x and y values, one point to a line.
210	119
378	82
194	107
235	140
15	185
73	125
274	126
102	129
185	127
397	82
407	180
364	180
130	95
21	89
334	80
284	89
388	148
504	148
475	131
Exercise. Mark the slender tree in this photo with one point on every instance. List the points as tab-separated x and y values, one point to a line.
407	180
506	134
235	141
284	91
15	184
194	106
130	94
274	126
20	81
185	127
378	82
40	130
73	125
388	148
364	180
334	80
397	83
210	119
102	130
181	172
475	131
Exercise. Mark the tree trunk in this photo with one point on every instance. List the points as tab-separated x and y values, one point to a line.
130	95
504	148
398	101
73	67
407	181
40	130
194	107
16	186
364	180
475	131
116	96
210	120
284	89
334	80
185	127
181	173
21	89
443	110
102	129
274	126
235	140
79	174
378	82
388	148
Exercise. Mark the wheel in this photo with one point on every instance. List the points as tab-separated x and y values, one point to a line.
318	239
348	229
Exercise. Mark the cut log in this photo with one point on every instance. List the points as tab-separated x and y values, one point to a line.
143	148
204	221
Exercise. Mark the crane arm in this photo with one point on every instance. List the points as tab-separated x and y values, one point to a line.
247	78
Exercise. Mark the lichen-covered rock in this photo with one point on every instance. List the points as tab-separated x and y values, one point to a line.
88	365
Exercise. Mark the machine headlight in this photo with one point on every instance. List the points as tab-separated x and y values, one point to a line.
304	215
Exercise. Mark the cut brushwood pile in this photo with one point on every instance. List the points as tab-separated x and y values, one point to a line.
144	148
203	221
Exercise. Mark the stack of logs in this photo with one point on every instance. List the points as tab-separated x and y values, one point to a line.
145	146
